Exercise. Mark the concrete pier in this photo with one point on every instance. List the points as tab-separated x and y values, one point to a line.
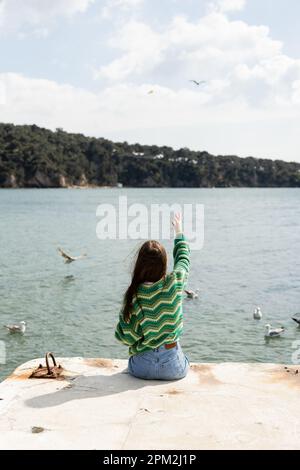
97	405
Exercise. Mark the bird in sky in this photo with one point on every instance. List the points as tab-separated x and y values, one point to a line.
202	82
68	258
150	92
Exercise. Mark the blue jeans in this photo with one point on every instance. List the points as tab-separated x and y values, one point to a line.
159	364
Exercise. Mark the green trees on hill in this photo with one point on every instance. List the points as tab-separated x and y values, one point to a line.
34	157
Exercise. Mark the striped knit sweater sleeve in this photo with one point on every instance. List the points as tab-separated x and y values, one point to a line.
181	255
156	316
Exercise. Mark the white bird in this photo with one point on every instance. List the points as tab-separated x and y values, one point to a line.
273	332
257	315
68	258
191	294
17	327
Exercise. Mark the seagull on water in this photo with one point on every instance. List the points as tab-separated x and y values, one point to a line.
273	332
257	315
191	294
68	258
17	327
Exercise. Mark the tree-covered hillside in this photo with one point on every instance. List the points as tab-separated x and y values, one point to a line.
34	157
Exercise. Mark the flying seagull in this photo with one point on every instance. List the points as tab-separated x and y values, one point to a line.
257	315
17	327
191	294
297	320
150	92
202	82
273	332
68	258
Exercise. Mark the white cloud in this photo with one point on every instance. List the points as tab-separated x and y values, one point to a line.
2	93
250	103
31	15
213	44
112	7
236	59
143	51
187	117
229	5
124	3
272	70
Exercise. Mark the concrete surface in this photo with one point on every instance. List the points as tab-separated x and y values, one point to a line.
99	406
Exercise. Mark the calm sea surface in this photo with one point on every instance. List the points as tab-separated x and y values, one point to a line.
251	256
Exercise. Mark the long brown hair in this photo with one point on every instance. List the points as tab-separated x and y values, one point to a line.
150	266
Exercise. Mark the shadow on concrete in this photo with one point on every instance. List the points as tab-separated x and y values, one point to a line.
95	386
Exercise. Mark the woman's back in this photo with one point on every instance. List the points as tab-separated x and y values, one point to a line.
156	312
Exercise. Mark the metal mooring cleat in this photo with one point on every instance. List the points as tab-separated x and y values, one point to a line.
47	372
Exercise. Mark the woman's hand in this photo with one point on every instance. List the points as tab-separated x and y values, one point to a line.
177	223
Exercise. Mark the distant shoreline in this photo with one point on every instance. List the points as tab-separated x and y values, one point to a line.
34	157
148	187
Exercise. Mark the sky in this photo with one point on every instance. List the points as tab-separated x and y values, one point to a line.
121	69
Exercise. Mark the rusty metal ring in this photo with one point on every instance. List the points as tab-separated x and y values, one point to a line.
50	354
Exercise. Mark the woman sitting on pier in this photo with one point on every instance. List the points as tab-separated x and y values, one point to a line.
151	319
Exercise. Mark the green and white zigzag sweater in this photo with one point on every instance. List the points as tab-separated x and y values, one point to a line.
156	316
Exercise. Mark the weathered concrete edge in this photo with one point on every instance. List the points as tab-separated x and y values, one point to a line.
229	405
